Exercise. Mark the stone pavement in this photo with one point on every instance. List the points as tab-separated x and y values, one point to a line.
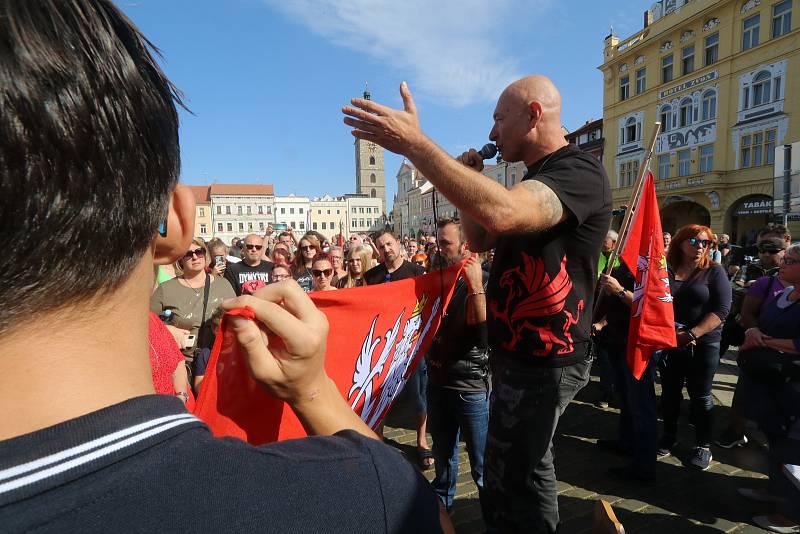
683	500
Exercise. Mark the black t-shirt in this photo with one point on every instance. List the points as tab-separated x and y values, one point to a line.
540	292
146	465
617	313
380	275
705	291
304	278
239	273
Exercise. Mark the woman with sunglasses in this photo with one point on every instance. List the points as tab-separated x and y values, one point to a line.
323	272
307	249
359	261
701	299
420	259
184	296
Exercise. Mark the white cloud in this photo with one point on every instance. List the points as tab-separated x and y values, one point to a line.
450	50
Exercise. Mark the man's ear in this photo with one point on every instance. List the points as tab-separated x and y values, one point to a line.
180	227
535	111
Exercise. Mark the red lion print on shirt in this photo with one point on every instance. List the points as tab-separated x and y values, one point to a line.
533	302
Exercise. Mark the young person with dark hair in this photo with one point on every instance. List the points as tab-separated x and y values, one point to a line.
393	266
90	157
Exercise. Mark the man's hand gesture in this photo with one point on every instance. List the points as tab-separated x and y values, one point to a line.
394	129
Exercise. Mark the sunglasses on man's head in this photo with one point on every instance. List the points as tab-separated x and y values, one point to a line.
199	252
694	241
257	247
317	272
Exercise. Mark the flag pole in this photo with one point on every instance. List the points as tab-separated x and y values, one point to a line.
628	218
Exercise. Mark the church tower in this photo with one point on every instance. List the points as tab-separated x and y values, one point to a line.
370	178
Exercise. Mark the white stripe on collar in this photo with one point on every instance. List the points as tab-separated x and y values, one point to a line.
99	448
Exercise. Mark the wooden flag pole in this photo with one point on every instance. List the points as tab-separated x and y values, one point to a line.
634	201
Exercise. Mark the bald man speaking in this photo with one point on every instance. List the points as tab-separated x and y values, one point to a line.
547	232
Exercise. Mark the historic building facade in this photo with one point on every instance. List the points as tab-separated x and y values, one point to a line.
370	176
723	78
239	209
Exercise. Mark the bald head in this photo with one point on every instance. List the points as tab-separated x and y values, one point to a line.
528	120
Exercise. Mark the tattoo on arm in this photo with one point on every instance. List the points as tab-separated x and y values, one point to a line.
549	209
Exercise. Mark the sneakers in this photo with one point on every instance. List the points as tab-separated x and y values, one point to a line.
665	445
730	439
771	523
701	458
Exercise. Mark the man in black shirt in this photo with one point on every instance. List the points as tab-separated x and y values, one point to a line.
547	231
90	157
252	267
458	369
392	266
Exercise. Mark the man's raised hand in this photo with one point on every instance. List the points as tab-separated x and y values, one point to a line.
394	129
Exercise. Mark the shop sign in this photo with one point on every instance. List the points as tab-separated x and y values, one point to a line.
755	207
688	84
695	181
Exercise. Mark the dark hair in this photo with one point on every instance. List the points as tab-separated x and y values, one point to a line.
773	229
382	232
675	254
444	221
89	151
322	256
299	262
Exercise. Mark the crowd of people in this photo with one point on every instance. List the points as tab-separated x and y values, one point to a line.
90	158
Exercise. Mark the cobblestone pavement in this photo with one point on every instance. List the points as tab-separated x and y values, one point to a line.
683	500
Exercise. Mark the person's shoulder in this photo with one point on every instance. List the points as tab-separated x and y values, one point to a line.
374	273
414	268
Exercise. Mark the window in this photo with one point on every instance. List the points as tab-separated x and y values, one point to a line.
685	113
663	166
250	226
781	18
332	226
624	87
241	227
269	210
353	209
373	193
230	227
301	210
291	211
750	28
706	158
687	64
227	210
202	228
249	210
261	225
747	140
769	147
641	81
372	160
219	227
361	209
758	149
762	88
314	226
337	212
712	49
324	226
239	210
709	105
628	171
329	212
666	69
261	210
219	210
631	131
202	212
361	222
372	178
666	118
302	225
684	163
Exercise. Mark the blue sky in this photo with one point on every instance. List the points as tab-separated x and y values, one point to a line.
265	79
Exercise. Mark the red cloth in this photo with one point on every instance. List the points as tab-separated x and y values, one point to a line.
652	324
377	336
164	355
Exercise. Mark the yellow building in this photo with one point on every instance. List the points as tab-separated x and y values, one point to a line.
723	77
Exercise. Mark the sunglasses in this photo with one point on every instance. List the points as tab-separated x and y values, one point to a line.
317	272
306	247
420	263
705	243
257	247
200	253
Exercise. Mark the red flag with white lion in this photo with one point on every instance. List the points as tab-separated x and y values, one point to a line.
377	336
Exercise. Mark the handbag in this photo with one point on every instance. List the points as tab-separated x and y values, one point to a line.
769	366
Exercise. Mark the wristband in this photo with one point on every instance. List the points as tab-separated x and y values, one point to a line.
621	294
477	293
691	335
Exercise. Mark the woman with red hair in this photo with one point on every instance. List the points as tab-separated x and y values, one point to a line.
701	299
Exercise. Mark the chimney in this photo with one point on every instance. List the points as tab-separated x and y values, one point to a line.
648	18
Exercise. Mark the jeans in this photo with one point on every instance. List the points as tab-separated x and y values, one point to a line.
519	475
638	421
452	413
695	367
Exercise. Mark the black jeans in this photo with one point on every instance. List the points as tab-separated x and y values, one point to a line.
695	367
519	475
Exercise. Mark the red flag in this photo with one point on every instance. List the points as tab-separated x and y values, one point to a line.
652	320
377	336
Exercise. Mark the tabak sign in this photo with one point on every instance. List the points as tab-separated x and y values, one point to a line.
759	206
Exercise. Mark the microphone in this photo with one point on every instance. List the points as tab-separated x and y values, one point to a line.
488	151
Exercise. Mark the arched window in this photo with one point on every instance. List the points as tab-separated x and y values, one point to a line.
631	130
372	178
709	105
372	160
762	85
685	113
666	118
373	193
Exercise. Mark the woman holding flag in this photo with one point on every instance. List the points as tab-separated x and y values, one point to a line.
702	298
